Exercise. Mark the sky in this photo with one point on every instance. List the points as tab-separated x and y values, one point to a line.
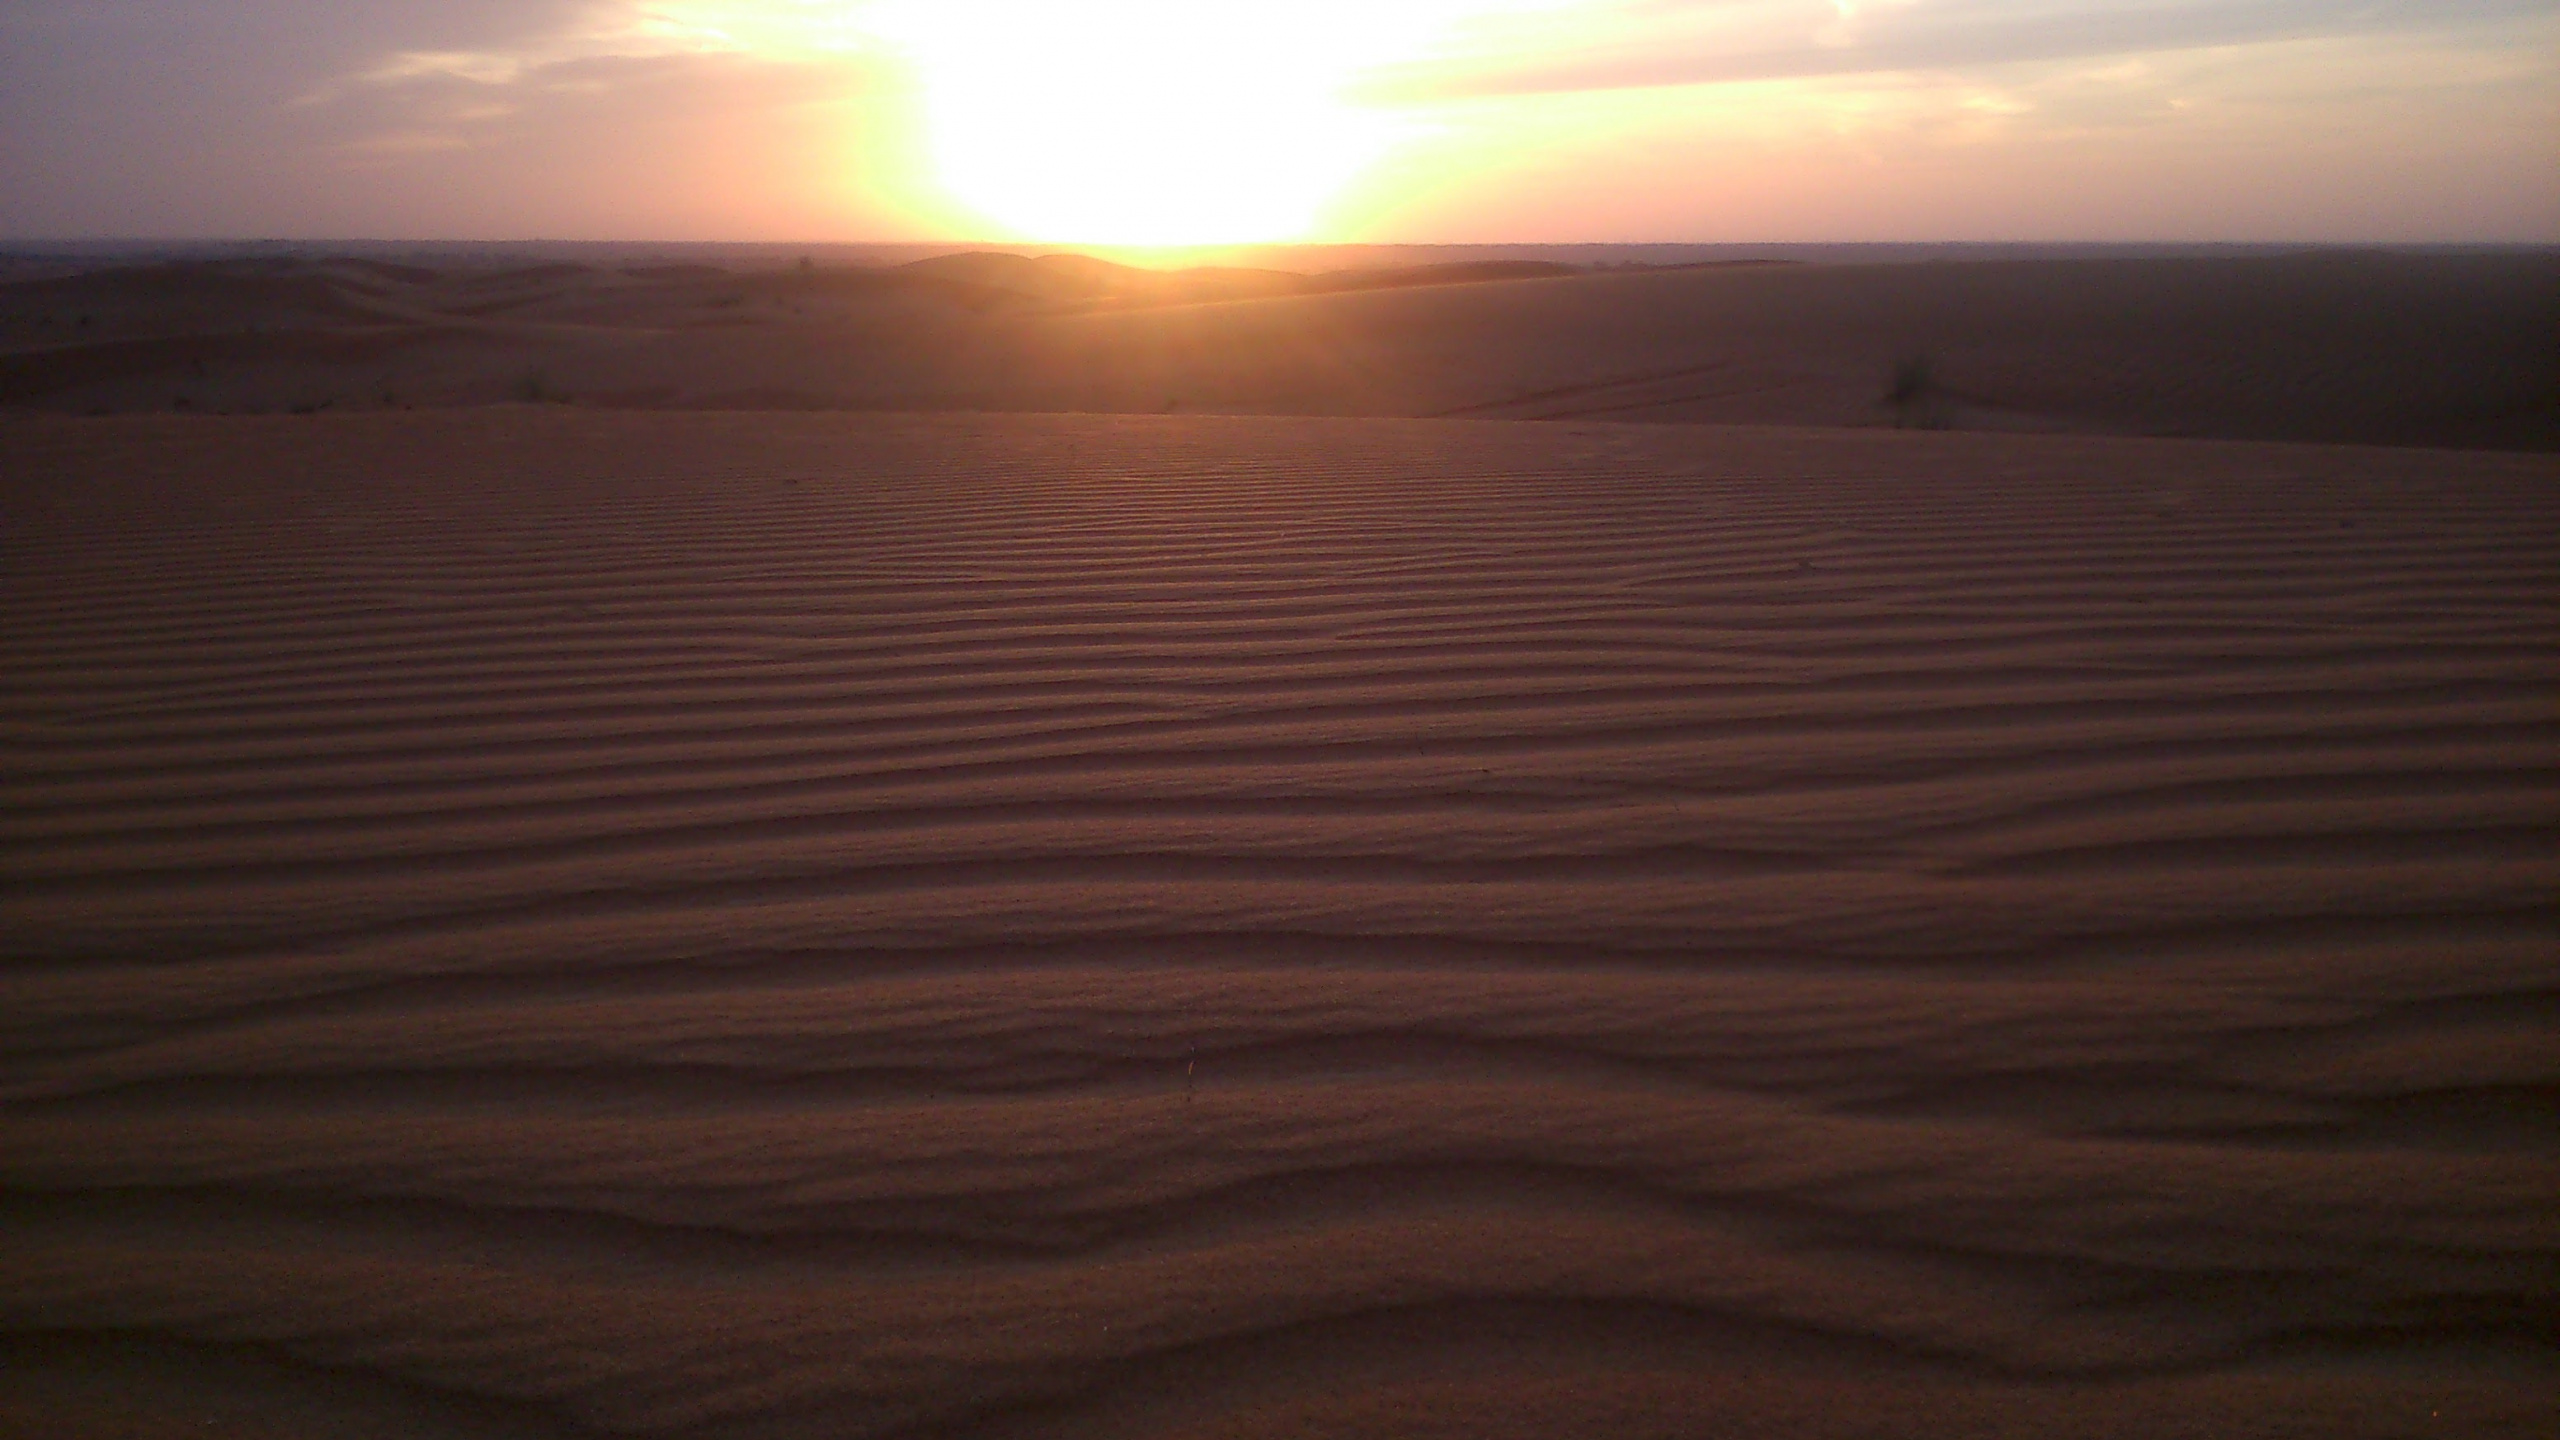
1193	122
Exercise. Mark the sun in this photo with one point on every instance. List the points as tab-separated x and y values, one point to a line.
1142	122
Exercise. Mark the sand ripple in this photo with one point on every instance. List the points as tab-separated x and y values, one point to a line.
550	923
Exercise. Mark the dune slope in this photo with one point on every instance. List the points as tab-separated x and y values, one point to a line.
546	922
2448	350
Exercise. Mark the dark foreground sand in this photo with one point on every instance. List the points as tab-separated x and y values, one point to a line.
539	922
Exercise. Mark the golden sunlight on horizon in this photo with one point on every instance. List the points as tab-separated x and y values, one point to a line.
1152	122
1201	124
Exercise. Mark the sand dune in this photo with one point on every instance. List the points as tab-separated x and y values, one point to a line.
541	921
2431	350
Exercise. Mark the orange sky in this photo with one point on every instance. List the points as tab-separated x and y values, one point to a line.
1183	121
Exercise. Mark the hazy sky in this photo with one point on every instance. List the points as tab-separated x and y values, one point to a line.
1195	121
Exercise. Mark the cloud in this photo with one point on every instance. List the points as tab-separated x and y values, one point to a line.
710	145
427	102
596	30
700	62
1653	43
480	117
766	117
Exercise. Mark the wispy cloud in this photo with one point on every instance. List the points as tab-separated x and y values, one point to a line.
1468	48
597	30
1509	118
408	102
1630	44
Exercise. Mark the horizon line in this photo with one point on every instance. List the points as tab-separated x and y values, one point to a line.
7	241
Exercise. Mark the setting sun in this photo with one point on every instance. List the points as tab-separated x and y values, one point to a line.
1143	122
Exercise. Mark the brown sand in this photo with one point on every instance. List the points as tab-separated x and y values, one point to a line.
551	922
2330	347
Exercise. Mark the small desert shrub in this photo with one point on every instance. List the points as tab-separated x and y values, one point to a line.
1912	391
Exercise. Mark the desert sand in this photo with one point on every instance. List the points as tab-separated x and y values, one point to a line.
549	921
2441	350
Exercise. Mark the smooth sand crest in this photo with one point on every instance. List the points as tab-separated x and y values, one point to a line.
539	921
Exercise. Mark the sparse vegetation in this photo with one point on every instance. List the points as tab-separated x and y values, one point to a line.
1912	391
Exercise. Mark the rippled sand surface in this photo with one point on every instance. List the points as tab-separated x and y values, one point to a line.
528	922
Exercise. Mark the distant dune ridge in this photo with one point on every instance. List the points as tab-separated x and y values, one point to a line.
2446	349
547	921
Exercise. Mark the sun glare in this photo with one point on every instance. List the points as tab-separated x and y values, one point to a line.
1144	122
